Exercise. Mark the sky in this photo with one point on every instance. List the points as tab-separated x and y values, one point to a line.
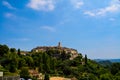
90	26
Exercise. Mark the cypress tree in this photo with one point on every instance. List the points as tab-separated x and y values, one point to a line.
18	52
85	59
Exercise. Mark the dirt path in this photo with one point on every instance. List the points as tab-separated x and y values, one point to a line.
58	78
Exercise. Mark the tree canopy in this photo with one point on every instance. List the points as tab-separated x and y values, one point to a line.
12	61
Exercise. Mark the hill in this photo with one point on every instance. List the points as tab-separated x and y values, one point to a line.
36	65
111	60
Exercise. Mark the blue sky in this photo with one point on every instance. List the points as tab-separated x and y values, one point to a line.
90	26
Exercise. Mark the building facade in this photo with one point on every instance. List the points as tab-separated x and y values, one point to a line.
72	52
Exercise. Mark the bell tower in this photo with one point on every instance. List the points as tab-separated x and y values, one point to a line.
59	44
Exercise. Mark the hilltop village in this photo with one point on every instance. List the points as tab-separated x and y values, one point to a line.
70	51
53	63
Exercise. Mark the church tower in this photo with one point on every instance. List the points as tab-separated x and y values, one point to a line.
59	45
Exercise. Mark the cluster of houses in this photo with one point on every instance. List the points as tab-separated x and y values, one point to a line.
35	73
72	52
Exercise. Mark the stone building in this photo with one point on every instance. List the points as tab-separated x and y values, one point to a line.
72	52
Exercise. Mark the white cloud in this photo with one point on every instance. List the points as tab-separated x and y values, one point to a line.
77	3
9	15
89	13
112	19
112	8
48	28
44	5
8	5
14	17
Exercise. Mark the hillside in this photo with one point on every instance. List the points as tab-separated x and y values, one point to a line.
40	65
57	50
111	60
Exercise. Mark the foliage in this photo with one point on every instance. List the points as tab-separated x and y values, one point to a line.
85	59
57	63
46	77
106	63
12	50
18	52
115	68
3	50
24	73
106	76
10	74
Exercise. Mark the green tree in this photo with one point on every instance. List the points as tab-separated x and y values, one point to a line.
46	77
18	52
4	49
115	68
40	68
21	63
13	62
67	70
85	59
36	61
106	76
44	57
12	68
12	50
24	73
10	62
52	63
117	76
29	61
92	77
46	62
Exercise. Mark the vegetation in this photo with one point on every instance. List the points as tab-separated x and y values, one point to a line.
46	77
81	68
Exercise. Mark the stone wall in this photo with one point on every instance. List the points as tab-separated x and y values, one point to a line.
72	52
10	78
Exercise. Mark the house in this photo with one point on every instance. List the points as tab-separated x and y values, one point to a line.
72	52
36	74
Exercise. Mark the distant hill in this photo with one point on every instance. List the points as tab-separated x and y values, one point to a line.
111	60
